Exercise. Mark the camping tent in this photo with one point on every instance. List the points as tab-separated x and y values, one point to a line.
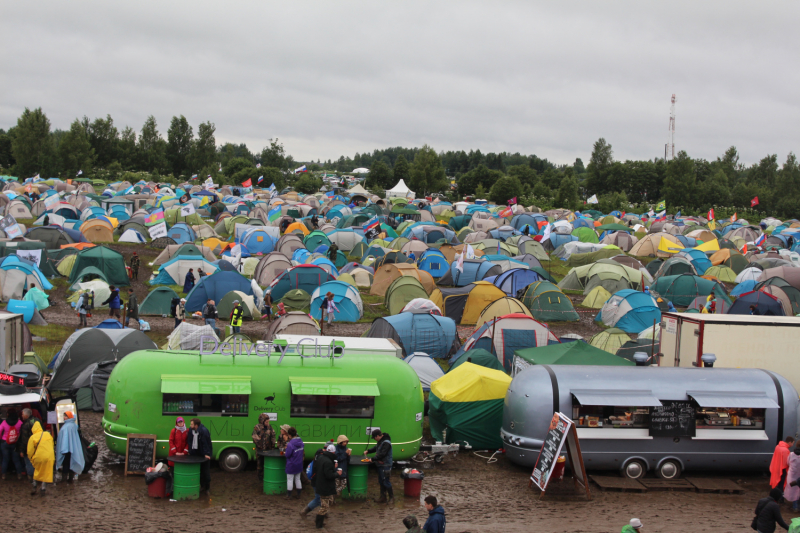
610	340
629	310
426	368
174	271
346	298
157	302
681	290
465	304
215	287
225	306
566	353
386	274
418	332
471	270
467	403
477	356
501	307
403	290
106	260
292	323
188	336
765	304
306	277
548	303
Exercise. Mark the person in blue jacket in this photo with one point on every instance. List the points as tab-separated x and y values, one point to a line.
69	450
436	521
114	303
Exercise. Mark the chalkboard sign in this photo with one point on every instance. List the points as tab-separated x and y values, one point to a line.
672	419
140	453
551	449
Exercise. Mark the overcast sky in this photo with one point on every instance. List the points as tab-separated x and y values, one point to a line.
333	78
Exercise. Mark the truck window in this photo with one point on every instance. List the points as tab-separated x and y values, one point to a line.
324	406
728	418
205	405
604	416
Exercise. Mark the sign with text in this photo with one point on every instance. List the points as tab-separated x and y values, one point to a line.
140	453
187	210
551	450
159	230
10	227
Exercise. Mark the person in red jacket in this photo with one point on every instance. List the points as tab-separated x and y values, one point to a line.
780	463
178	439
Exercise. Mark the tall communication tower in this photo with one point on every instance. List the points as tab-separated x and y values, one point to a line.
669	151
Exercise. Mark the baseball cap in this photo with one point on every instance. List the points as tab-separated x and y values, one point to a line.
331	448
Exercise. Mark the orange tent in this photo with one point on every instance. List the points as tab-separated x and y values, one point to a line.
79	245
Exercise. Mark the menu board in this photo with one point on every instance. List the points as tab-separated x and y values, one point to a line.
140	453
672	419
551	449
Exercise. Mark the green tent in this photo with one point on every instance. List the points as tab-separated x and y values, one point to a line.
597	297
591	257
478	356
683	289
585	234
401	291
610	340
613	227
315	239
570	353
296	299
547	303
467	402
158	302
106	260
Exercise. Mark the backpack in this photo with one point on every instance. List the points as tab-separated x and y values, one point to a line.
173	306
13	435
310	470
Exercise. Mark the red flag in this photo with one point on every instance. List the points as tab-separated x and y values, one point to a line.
754	202
734	218
248	183
710	214
513	201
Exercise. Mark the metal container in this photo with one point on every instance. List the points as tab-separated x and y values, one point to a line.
274	475
186	484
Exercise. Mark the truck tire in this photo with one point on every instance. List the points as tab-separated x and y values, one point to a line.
669	469
233	460
634	469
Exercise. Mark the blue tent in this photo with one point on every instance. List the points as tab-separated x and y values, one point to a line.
629	310
502	233
559	239
511	281
345	296
215	287
581	222
473	270
306	277
319	261
743	287
418	332
526	219
110	323
433	262
765	304
181	232
258	241
698	258
12	262
165	278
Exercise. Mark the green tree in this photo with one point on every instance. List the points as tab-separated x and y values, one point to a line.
479	176
715	191
31	145
236	165
6	153
540	190
524	173
401	171
274	155
246	173
679	183
788	183
480	192
152	148
272	175
578	166
380	175
127	149
308	184
567	196
504	189
104	137
597	172
76	151
204	149
179	144
427	174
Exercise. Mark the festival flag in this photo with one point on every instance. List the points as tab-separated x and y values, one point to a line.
761	239
469	252
513	201
258	165
546	234
678	213
734	218
372	228
710	216
592	199
712	225
154	218
744	249
78	174
754	202
651	213
300	169
260	179
194	176
507	212
274	213
247	183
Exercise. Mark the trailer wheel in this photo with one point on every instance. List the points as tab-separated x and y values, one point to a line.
233	460
669	469
634	469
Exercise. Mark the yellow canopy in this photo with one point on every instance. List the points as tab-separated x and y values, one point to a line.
471	383
710	246
668	247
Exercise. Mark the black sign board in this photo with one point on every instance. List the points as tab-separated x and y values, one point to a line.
140	453
672	419
562	434
12	384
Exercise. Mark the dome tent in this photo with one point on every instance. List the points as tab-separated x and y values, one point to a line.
306	277
157	302
596	298
346	298
292	323
465	304
468	404
225	306
629	310
501	307
109	262
426	368
682	289
546	302
215	287
473	270
402	291
296	299
418	332
610	340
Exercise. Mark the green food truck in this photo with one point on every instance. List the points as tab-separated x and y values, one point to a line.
322	396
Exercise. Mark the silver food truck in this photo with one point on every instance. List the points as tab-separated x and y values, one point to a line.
638	419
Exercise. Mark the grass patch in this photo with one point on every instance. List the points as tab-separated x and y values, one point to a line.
56	337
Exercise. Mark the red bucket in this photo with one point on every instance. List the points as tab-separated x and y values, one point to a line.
412	487
158	488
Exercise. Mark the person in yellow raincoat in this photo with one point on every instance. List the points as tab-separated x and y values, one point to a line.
41	452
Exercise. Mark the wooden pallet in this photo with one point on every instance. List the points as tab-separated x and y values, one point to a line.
667	484
618	484
716	485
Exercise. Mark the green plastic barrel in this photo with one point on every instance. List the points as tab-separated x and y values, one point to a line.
186	484
356	482
274	475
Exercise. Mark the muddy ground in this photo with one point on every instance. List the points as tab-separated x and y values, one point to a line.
478	497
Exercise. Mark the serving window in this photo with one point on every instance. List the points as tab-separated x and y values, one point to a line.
603	416
205	404
327	406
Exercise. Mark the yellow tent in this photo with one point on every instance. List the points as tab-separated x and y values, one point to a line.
501	307
65	265
469	382
597	297
667	246
710	246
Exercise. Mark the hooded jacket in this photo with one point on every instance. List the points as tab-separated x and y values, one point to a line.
113	300
436	521
768	512
41	454
263	434
294	456
325	478
133	306
178	442
69	441
780	462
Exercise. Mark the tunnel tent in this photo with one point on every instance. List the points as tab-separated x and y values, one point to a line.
501	307
465	304
215	287
471	270
630	310
467	404
346	298
610	340
108	261
158	302
94	345
225	306
547	303
477	356
296	299
682	289
292	323
306	277
426	367
418	331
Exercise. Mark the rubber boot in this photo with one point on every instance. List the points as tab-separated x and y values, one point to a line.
289	494
304	512
297	495
391	497
33	490
382	499
320	521
70	476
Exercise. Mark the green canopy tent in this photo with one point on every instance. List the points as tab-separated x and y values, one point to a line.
478	356
570	353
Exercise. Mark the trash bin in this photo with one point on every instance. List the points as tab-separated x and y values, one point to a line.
412	482
558	470
158	488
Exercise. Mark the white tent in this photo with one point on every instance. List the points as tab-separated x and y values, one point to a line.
426	368
401	189
131	235
361	170
358	189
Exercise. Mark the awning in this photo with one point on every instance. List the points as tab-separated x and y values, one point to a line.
733	399
335	386
622	398
177	384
